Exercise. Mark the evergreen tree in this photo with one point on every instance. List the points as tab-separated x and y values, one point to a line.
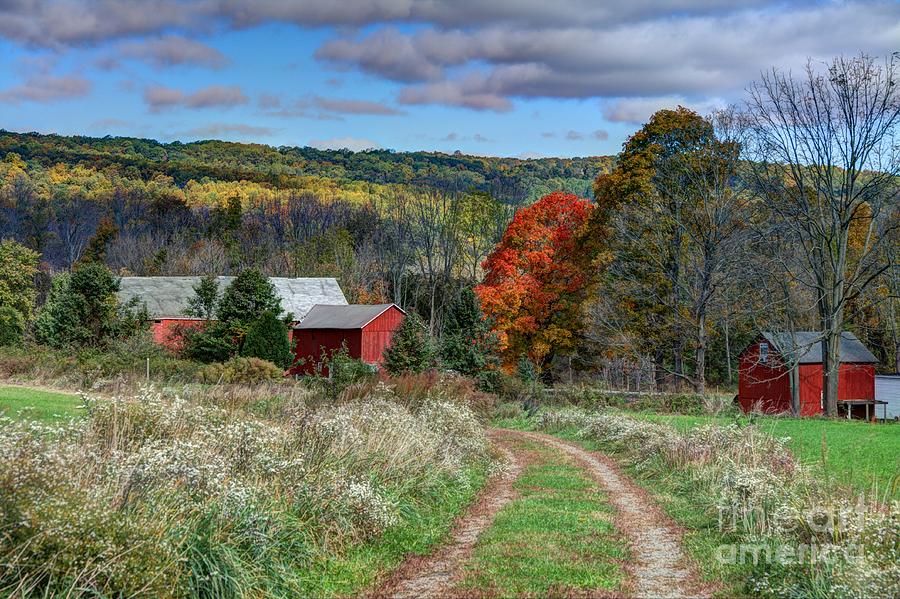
267	338
97	245
249	295
469	346
82	309
411	349
206	298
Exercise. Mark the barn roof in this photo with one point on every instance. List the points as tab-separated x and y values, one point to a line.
809	347
353	316
167	297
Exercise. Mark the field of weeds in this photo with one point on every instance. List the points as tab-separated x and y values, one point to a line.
211	494
776	525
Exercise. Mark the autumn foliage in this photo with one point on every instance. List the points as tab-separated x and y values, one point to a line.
535	279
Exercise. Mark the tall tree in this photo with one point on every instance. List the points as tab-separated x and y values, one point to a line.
826	161
535	281
671	215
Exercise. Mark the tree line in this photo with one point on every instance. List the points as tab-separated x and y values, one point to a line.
781	214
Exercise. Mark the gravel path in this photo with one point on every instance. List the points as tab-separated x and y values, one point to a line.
661	568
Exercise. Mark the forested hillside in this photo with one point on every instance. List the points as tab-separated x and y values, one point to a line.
512	180
406	227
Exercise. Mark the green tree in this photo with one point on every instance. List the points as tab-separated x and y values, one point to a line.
468	345
214	342
411	349
249	295
12	326
18	267
267	338
206	298
82	309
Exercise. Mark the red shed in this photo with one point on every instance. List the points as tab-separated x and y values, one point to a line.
765	381
366	329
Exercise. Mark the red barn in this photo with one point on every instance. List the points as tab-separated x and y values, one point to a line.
765	374
166	300
365	329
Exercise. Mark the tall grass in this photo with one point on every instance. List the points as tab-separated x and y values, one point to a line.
811	541
210	495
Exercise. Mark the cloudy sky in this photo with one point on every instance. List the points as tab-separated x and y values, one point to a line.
498	77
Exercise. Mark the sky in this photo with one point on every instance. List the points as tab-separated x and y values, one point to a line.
524	78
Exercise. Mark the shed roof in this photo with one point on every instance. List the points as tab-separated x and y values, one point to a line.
167	297
353	316
809	347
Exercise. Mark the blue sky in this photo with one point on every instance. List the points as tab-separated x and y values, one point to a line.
509	78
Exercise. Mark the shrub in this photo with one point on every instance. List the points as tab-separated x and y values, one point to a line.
241	370
344	371
12	326
411	349
212	342
267	338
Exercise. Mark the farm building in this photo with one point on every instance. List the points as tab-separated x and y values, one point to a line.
365	329
166	298
887	389
765	374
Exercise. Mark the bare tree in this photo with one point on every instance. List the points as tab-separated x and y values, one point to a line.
826	163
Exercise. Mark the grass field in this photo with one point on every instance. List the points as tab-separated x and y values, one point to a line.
37	404
852	453
555	539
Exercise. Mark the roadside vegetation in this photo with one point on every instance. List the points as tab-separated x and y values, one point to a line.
175	495
740	492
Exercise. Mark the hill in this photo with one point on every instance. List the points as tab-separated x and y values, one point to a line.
511	180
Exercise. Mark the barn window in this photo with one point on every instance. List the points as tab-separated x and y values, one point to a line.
763	353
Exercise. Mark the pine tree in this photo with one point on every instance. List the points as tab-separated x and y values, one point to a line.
411	349
206	298
468	345
267	338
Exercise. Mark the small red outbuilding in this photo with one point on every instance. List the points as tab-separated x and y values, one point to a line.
365	329
766	364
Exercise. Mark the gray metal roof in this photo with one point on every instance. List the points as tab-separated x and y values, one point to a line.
167	297
354	316
809	347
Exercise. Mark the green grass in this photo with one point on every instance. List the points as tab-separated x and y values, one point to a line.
556	538
425	524
35	404
676	494
850	453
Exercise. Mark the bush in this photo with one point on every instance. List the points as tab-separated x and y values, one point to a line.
12	326
241	370
267	338
212	342
344	371
411	349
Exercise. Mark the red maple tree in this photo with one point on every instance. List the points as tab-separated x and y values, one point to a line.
535	279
